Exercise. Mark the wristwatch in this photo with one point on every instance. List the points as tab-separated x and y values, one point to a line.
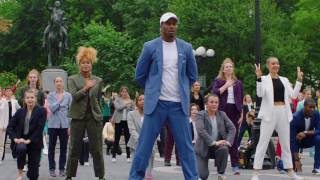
305	132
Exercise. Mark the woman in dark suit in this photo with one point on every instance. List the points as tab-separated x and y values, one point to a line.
195	95
244	126
25	129
86	113
230	92
33	83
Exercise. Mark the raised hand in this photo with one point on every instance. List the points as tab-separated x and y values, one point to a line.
299	74
229	83
258	70
90	83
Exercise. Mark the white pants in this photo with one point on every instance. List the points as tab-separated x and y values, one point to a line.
278	121
2	143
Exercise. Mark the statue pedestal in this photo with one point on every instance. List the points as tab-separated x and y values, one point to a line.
48	76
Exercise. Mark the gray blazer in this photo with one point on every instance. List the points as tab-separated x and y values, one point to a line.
227	131
119	106
134	125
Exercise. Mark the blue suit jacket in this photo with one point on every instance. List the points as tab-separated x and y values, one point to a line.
149	72
297	125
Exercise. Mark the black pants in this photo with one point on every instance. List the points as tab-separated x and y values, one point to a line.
33	162
123	125
220	154
84	155
63	139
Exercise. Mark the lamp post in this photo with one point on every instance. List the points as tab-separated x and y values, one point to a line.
201	53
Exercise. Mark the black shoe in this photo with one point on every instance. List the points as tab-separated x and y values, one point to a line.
68	178
101	178
167	164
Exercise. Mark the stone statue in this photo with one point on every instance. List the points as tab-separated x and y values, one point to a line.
55	35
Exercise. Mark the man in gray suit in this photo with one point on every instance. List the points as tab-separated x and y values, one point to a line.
216	132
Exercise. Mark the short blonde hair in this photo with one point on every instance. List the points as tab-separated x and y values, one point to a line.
221	74
271	58
88	53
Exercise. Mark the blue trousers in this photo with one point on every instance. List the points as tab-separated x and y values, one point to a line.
309	142
171	113
63	139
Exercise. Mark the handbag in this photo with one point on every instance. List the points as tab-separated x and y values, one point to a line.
109	132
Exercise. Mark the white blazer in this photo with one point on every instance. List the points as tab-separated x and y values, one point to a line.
4	111
265	91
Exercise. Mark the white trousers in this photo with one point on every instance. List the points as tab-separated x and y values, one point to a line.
2	139
278	121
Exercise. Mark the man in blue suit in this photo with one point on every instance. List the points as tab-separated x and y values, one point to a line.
166	69
305	133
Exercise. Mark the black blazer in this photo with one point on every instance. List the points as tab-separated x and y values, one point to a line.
37	121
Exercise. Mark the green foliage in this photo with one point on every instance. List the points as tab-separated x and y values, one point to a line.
21	48
9	8
306	24
7	79
227	26
290	31
140	18
116	53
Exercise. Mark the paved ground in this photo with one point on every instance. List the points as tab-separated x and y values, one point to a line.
120	169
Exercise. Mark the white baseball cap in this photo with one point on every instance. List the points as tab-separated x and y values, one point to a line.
168	15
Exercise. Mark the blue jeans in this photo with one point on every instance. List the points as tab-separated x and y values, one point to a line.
171	113
309	142
63	139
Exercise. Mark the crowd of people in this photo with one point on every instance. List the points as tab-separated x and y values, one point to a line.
172	112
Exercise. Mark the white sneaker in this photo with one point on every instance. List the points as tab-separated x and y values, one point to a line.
294	176
86	164
255	177
128	160
222	177
25	168
113	160
45	151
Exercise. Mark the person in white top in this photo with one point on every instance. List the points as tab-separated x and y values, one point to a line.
275	113
166	69
194	109
8	108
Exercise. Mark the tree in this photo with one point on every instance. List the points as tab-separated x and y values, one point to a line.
5	25
140	19
227	26
22	45
306	24
7	79
116	54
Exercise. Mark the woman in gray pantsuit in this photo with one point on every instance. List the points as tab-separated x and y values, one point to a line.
135	121
216	133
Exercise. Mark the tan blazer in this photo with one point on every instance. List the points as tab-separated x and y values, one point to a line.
80	97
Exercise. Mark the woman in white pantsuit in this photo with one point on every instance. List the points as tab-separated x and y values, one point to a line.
275	113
